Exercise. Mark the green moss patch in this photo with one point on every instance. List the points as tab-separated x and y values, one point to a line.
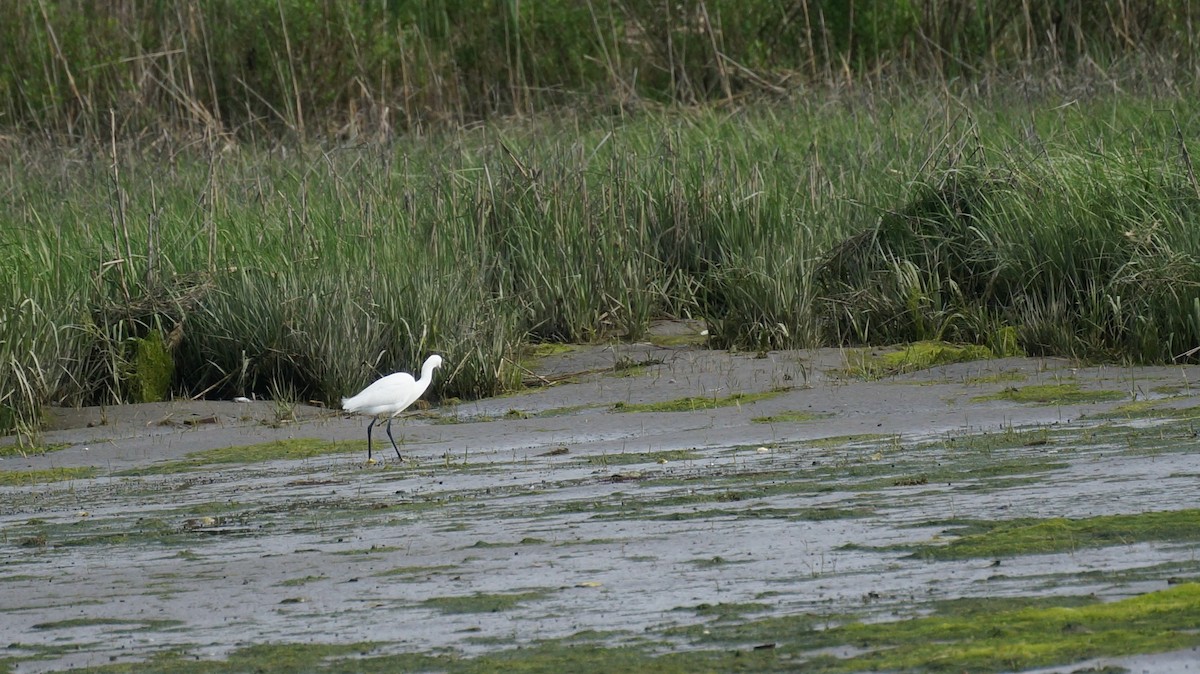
688	339
627	367
277	450
979	635
416	570
303	580
482	602
545	349
1018	639
566	411
792	514
1052	394
632	458
791	417
869	365
1162	408
1060	534
692	404
910	475
726	611
151	370
842	441
16	478
997	378
373	550
72	623
104	531
987	442
17	449
966	635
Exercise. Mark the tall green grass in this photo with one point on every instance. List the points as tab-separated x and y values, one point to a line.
1079	238
850	219
316	69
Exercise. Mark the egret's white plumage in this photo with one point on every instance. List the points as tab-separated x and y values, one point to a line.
389	396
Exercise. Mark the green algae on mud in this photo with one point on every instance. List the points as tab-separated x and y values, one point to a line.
694	403
17	449
302	580
726	610
205	523
277	450
868	365
415	570
278	659
128	623
721	476
951	474
86	531
373	550
655	496
1029	637
791	417
482	602
16	478
997	378
790	514
848	441
1059	534
981	635
567	410
1052	394
1160	408
1009	438
634	458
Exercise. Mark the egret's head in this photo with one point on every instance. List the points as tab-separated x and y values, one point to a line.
432	362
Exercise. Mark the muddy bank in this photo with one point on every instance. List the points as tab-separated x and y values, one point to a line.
624	504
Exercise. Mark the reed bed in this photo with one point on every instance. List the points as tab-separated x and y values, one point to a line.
859	219
308	70
290	198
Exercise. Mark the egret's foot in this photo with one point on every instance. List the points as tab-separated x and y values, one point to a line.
371	462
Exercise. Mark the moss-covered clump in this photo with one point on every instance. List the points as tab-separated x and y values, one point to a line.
152	369
864	364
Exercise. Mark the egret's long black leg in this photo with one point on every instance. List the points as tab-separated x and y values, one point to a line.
394	446
369	438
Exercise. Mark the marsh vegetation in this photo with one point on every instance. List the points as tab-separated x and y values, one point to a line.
289	199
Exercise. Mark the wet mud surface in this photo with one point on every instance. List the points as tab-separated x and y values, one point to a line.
569	509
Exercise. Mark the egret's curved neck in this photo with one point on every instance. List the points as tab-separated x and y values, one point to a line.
427	370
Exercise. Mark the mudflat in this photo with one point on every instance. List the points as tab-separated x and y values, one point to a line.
636	504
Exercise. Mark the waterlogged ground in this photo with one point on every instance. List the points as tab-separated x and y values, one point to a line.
652	507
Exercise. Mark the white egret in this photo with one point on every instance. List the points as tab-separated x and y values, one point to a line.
390	396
